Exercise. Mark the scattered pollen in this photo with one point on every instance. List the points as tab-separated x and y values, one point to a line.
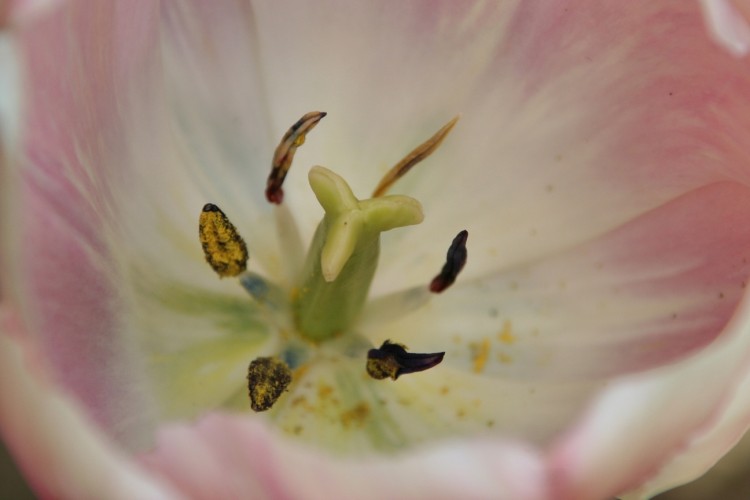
284	154
356	416
267	380
480	355
324	391
417	155
223	247
506	334
392	361
455	261
504	358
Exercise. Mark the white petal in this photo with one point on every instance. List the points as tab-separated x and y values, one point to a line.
667	406
727	25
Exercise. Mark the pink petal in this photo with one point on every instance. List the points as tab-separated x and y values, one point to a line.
641	423
645	294
21	11
708	444
57	447
82	64
233	457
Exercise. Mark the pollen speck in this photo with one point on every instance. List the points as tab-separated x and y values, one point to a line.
480	354
506	334
356	416
444	390
504	358
324	391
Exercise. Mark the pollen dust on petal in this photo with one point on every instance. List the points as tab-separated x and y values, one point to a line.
480	352
506	335
504	358
357	415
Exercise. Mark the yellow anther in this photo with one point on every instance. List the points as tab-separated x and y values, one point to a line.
224	248
267	379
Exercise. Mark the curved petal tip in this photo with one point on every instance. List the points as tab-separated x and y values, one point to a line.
728	23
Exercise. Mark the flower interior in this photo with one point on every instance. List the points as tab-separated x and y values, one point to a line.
316	319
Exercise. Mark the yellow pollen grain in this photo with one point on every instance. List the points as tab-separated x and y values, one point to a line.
324	391
356	416
480	355
504	358
444	390
506	335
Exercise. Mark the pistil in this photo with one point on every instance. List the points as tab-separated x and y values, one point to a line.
344	253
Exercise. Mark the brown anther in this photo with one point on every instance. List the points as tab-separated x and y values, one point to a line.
417	155
267	379
391	361
454	262
284	154
223	247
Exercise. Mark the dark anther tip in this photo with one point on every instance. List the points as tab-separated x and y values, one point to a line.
392	360
454	263
210	207
275	195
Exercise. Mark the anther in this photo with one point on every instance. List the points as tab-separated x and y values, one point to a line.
454	262
284	154
392	360
267	379
417	155
224	248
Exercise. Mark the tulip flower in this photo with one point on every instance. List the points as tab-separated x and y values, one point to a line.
214	283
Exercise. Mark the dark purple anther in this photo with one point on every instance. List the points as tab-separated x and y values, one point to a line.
454	262
392	360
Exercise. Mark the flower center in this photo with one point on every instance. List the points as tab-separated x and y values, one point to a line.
340	265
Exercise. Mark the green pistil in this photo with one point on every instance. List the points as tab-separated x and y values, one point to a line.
344	253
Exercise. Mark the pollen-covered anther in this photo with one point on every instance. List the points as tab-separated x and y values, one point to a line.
417	155
455	261
284	154
223	247
392	360
267	379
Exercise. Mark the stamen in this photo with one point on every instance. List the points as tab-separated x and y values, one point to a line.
392	360
267	379
454	262
284	154
224	248
418	154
